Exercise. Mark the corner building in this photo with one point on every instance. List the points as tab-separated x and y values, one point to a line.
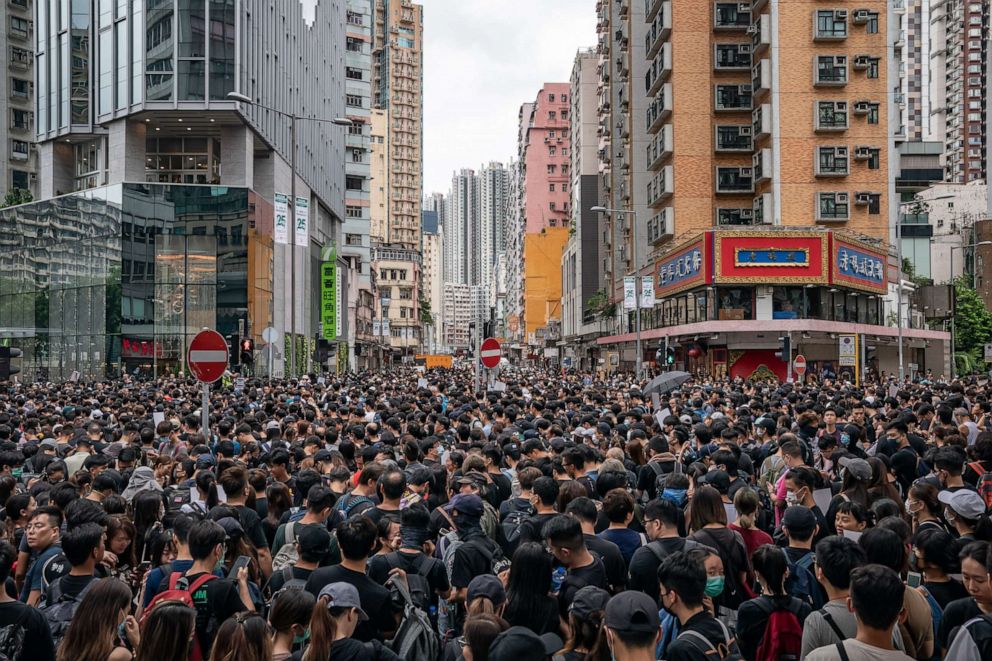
769	190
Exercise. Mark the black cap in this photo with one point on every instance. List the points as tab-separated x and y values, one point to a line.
314	540
522	644
488	586
632	611
718	479
418	475
322	455
589	600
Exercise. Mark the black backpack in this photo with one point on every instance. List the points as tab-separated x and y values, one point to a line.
513	524
61	608
419	586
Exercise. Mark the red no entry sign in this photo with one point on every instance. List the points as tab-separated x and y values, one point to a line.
799	364
490	352
207	356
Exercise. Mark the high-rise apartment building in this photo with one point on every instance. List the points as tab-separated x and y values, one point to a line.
433	286
18	164
582	261
514	241
959	40
461	230
769	141
493	185
545	180
398	87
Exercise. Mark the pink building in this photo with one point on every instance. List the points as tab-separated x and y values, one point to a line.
546	176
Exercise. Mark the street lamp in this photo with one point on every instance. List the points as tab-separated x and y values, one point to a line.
337	121
637	269
954	292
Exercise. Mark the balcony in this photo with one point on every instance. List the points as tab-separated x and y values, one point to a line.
652	7
734	180
20	59
734	138
660	28
732	98
732	57
661	187
660	147
761	34
659	71
661	226
731	16
660	109
761	121
761	78
762	165
757	5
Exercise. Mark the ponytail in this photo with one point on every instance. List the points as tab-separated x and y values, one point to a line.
323	629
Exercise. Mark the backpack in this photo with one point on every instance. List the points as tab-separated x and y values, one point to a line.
512	524
289	584
655	547
183	594
60	609
972	641
984	483
417	583
801	583
416	637
349	502
12	641
287	555
725	651
783	639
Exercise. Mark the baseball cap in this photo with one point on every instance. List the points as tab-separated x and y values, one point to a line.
343	595
718	479
857	467
322	455
466	503
589	600
232	527
313	540
964	502
798	517
632	611
49	444
522	644
489	586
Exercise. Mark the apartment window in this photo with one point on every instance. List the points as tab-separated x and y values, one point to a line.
20	87
564	151
20	56
734	216
733	56
872	71
831	161
354	45
551	169
564	98
355	18
871	26
733	138
353	183
831	115
873	113
20	119
552	206
832	206
874	159
20	26
731	15
564	115
552	151
551	188
353	239
733	97
551	134
831	70
552	115
354	100
551	98
734	180
352	73
19	179
831	24
19	149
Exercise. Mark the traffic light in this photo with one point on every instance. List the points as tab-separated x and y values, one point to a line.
6	368
232	350
323	351
247	351
785	351
670	356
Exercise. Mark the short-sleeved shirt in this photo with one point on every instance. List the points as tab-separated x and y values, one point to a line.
471	559
33	579
37	642
374	598
218	599
252	524
857	651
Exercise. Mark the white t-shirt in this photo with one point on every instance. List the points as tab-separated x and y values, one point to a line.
857	651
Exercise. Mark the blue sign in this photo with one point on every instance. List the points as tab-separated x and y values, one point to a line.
860	266
682	268
771	257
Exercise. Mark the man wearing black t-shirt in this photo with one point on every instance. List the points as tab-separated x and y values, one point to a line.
564	538
544	497
312	542
83	546
411	557
37	642
356	537
234	481
661	524
218	598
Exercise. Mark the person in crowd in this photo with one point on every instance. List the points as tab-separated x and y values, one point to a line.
566	542
708	521
167	634
771	565
245	636
289	619
95	631
529	602
336	616
975	559
934	555
587	636
583	509
683	581
31	635
43	539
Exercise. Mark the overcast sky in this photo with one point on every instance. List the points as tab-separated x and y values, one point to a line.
482	59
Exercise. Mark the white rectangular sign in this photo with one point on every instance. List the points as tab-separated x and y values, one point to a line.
647	292
629	293
847	350
302	221
282	219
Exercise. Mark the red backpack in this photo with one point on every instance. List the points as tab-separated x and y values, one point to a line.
184	596
984	483
783	639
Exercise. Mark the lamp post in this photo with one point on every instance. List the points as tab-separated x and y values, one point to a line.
637	269
954	292
337	121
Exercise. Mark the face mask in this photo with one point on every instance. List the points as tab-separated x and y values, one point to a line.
791	498
299	640
17	472
677	496
714	586
949	515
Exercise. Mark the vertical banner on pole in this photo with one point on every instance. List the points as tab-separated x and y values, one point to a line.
282	218
302	221
647	292
629	293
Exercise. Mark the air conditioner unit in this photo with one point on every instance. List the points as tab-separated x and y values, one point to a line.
744	48
862	61
862	199
747	214
744	89
744	130
862	153
840	14
744	7
862	107
841	152
841	198
752	29
747	172
861	16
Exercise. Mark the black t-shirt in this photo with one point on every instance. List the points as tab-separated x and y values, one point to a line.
280	578
70	586
375	599
215	601
412	563
471	559
513	505
957	613
252	524
945	593
647	476
643	573
503	487
37	642
377	514
541	617
577	578
531	529
612	557
689	648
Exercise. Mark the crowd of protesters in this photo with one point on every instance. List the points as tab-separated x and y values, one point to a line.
400	515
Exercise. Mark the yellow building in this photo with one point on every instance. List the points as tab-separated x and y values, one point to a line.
542	279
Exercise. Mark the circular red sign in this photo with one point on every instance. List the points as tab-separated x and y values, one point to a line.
799	364
490	352
207	356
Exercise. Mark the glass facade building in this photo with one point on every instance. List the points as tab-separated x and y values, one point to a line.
120	278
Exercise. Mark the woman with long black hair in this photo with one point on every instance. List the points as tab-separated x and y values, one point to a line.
528	596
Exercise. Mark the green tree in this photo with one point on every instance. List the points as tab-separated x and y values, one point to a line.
972	325
15	197
599	305
426	317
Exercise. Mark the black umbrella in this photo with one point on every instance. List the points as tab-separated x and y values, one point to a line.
666	382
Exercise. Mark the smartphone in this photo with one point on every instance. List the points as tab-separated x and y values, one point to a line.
242	561
914	579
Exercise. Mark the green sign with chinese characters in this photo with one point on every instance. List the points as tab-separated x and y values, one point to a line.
329	293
